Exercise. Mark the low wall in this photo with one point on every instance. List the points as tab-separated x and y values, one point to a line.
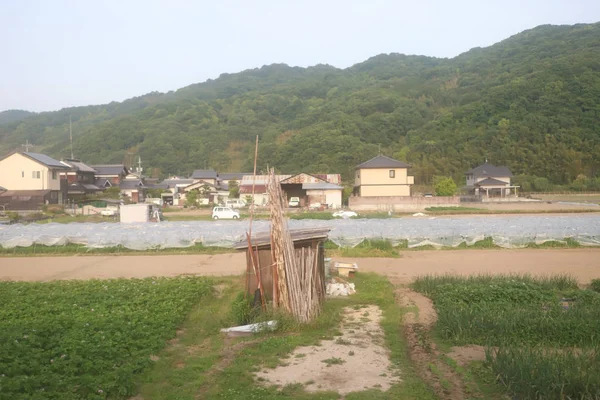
407	203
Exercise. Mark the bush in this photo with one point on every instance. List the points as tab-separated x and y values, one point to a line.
444	186
595	285
242	310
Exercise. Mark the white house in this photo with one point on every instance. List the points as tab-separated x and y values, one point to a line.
490	180
32	178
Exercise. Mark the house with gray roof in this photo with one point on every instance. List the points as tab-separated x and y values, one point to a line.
382	176
113	173
31	179
490	180
80	179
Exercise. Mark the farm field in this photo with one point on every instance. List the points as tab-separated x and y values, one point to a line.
532	338
87	340
459	336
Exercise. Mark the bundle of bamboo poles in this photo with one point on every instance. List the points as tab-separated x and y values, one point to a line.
295	273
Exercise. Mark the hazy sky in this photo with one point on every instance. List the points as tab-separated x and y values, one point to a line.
60	53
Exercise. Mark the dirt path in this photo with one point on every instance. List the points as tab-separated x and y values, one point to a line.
423	351
584	264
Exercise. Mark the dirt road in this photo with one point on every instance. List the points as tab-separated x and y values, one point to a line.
584	264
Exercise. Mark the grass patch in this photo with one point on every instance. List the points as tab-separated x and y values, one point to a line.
88	339
530	326
595	285
222	370
458	209
71	248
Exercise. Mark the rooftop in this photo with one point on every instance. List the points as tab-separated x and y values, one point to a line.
490	170
204	174
227	176
382	161
45	160
491	182
110	169
78	165
264	238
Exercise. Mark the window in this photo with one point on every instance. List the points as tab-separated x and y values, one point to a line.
53	174
22	174
35	174
392	173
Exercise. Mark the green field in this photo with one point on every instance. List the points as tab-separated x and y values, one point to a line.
541	335
87	340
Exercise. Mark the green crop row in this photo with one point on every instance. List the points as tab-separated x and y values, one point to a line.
87	339
542	334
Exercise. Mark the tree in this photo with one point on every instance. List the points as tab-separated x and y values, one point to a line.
234	189
444	186
191	198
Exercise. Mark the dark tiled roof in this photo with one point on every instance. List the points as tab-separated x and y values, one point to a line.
204	174
102	182
489	170
110	169
46	160
491	182
132	184
82	188
227	176
382	161
161	185
78	166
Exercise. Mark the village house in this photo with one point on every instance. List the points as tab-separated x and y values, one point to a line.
31	180
382	176
108	175
490	180
80	179
206	175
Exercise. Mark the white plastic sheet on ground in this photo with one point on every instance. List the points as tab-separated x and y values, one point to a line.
506	231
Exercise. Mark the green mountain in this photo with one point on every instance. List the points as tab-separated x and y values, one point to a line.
531	102
9	116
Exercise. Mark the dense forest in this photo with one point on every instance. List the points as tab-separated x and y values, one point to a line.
531	102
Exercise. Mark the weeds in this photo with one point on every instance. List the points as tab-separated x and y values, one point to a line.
541	333
595	285
333	361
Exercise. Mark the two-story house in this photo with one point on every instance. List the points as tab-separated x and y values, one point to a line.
382	176
490	180
108	175
80	179
31	180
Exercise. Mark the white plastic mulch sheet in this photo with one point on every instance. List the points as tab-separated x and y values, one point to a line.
506	231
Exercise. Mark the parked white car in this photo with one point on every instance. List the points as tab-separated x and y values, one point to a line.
294	202
344	214
225	213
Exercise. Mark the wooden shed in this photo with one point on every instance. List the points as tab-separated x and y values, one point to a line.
304	239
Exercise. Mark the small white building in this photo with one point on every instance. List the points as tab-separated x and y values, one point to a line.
142	212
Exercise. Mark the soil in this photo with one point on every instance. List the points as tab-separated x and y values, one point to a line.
463	355
580	263
423	351
354	361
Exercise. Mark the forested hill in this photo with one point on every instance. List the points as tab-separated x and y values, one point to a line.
531	102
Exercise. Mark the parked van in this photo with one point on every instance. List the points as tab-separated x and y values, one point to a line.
235	203
294	202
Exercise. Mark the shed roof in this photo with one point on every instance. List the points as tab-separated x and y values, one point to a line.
491	182
45	160
489	170
33	193
132	184
382	161
321	186
264	238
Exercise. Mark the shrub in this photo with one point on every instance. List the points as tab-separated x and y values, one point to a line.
595	285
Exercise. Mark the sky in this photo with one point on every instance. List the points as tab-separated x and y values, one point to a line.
63	53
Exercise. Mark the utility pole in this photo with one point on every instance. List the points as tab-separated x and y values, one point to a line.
27	145
71	137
